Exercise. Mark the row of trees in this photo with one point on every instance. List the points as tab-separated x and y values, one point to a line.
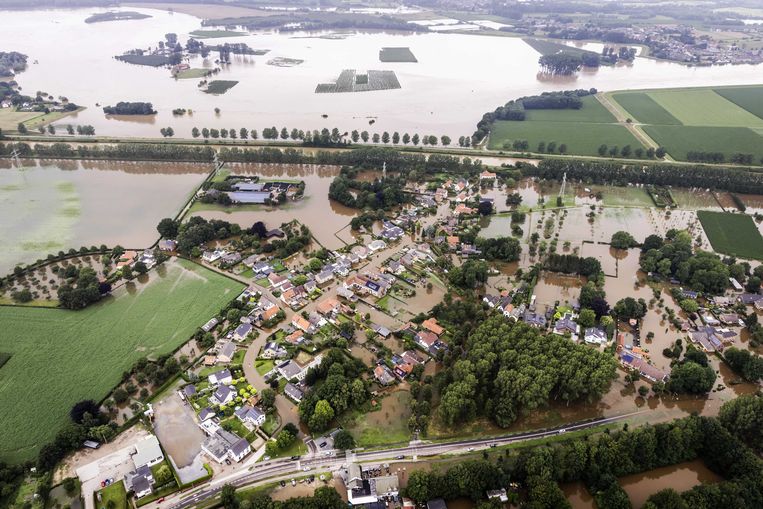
726	179
628	151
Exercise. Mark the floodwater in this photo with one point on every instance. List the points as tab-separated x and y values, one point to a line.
553	287
325	218
179	435
578	496
681	477
80	57
51	206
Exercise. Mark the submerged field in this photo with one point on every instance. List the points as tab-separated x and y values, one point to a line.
725	120
59	357
732	234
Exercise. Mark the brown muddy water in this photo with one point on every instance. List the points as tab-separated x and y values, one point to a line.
578	496
326	219
51	206
181	438
681	477
80	57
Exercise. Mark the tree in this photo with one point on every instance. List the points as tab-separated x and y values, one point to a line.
284	134
355	136
602	150
322	416
87	406
168	228
660	152
205	133
691	378
243	133
364	136
163	475
120	396
587	318
689	305
622	240
268	399
415	139
743	417
343	440
385	137
21	128
406	139
445	140
396	138
228	497
485	208
629	307
195	132
418	486
375	138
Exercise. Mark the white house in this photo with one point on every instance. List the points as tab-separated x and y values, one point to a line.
220	377
148	452
251	415
226	353
224	445
223	395
595	336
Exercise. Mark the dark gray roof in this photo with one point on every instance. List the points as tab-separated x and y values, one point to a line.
140	484
239	447
189	390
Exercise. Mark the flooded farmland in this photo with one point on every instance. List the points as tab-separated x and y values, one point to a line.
51	206
681	477
179	435
285	96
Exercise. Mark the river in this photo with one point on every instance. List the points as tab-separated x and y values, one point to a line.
458	77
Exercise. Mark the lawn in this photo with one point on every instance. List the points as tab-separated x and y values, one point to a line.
581	139
386	426
59	357
215	34
116	493
592	111
218	87
678	140
263	367
732	234
271	424
192	73
748	98
703	107
644	109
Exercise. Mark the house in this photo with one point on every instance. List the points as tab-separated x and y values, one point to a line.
206	414
148	452
273	350
499	495
534	319
368	490
290	369
594	336
328	308
224	445
212	256
211	324
275	232
380	330
167	245
463	209
276	281
396	268
721	301
242	331
634	362
250	415
749	299
487	175
377	245
188	391
296	337
383	375
139	481
426	339
231	259
453	242
431	325
436	503
220	377
226	353
360	251
461	197
223	395
324	276
712	339
566	325
730	319
262	269
302	324
736	285
391	232
470	250
248	186
294	392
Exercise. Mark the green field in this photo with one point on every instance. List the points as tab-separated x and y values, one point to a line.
703	107
678	140
59	357
546	47
732	234
749	98
113	496
218	87
644	109
592	111
192	73
581	139
215	34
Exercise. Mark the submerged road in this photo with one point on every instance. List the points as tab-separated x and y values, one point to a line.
284	469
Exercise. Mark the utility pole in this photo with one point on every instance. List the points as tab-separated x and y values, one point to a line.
16	161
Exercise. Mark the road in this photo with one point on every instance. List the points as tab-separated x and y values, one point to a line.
285	469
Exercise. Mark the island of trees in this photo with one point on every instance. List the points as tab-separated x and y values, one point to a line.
130	108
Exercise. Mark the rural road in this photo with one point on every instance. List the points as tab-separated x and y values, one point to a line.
285	469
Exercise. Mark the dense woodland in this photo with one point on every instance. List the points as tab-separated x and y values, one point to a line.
11	62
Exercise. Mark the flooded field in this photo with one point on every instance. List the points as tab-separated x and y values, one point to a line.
326	219
179	435
681	477
578	496
557	287
51	206
286	95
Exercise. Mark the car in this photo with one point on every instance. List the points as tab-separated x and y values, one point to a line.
266	458
293	482
227	461
295	458
306	469
283	483
103	484
322	445
400	457
160	500
563	430
470	449
493	444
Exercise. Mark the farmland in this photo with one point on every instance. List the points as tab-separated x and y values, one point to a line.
724	120
732	234
581	139
218	87
215	34
82	354
591	112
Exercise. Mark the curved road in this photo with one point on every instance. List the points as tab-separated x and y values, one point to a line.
285	469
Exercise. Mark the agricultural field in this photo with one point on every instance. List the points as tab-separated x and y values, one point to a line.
581	139
192	73
732	234
396	55
678	140
218	87
591	112
215	34
644	109
59	357
748	98
546	47
726	120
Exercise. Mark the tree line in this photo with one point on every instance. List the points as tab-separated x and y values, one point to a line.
727	179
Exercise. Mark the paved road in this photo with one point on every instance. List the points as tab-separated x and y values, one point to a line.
285	469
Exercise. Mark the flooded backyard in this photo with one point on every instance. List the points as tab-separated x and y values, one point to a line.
681	477
51	206
181	438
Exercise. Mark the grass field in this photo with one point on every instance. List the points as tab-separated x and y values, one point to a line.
749	98
732	234
220	86
114	493
215	34
644	109
60	357
388	425
192	73
581	139
592	112
546	47
703	107
678	140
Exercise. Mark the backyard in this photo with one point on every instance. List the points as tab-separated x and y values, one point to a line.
47	347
